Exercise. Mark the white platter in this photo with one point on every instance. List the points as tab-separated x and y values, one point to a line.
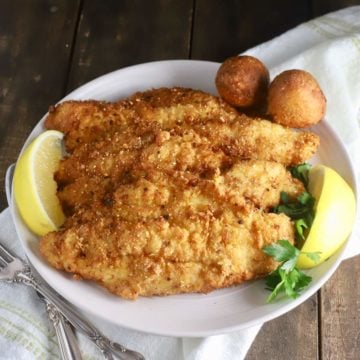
190	315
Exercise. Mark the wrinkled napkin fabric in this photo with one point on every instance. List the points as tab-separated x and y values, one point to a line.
329	48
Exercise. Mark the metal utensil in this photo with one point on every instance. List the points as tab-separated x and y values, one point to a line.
14	270
67	341
69	349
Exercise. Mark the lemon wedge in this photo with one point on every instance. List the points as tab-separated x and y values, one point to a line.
34	184
335	210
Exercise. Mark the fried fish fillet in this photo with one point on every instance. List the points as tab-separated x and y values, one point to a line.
258	182
144	115
166	129
243	140
168	234
111	162
169	191
144	112
247	186
160	258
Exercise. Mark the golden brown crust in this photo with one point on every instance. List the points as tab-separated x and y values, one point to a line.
295	99
164	108
161	258
169	191
256	182
105	163
187	120
242	81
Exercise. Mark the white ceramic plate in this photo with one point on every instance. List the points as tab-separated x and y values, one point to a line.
191	314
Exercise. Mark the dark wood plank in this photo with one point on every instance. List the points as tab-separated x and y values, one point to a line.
340	309
339	306
225	28
35	42
114	34
34	66
321	7
291	336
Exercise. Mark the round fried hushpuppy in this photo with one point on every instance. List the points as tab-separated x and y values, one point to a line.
242	81
295	99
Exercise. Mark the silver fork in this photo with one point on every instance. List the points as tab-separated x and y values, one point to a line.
14	270
68	344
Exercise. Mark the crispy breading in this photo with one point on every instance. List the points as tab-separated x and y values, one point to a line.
257	139
256	182
113	161
144	115
175	224
170	191
149	111
202	253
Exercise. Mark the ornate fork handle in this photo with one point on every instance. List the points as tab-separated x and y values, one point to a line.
106	346
67	341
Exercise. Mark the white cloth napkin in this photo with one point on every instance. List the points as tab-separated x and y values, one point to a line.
328	47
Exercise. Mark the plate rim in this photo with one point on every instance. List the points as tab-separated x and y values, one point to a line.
260	320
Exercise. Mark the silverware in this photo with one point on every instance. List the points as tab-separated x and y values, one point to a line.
14	270
68	345
67	341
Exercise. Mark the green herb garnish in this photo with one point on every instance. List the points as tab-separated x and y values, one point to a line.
287	277
300	228
301	172
300	209
295	208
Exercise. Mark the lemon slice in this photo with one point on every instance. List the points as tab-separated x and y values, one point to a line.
34	184
335	210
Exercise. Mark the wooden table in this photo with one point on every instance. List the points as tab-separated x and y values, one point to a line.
49	47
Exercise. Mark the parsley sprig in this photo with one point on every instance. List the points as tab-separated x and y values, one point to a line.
301	172
287	277
297	208
301	210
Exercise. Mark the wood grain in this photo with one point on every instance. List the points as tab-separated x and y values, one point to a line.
115	34
340	309
339	305
34	62
226	28
291	336
321	7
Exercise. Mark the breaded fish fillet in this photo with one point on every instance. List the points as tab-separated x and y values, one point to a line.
170	191
110	161
141	118
149	111
158	257
214	228
204	147
257	182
